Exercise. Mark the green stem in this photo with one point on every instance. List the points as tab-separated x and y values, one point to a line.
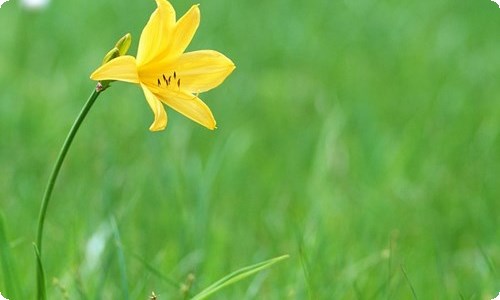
51	183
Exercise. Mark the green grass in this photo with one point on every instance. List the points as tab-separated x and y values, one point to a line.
360	137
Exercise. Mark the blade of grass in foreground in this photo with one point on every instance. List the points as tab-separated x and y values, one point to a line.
237	276
10	279
42	295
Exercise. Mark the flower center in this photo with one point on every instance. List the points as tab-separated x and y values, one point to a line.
169	80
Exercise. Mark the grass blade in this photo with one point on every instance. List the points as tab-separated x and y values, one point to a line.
409	283
305	270
237	276
42	293
487	259
10	279
121	260
155	271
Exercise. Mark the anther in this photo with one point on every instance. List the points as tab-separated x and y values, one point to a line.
164	78
159	82
175	75
179	83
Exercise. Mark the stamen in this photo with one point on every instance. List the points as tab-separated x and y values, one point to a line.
168	80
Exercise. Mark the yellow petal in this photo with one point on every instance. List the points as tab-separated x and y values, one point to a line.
160	121
157	32
177	40
122	68
188	105
203	70
185	30
167	12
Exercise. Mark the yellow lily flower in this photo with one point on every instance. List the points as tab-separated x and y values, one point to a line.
167	74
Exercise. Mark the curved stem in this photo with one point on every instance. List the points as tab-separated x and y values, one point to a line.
51	183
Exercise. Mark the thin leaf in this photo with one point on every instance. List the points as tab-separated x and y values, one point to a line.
237	276
10	277
155	271
121	259
104	275
42	293
305	269
487	259
409	283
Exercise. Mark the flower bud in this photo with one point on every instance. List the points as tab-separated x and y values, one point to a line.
124	43
113	53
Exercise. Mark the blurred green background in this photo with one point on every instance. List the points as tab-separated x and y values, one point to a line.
361	137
